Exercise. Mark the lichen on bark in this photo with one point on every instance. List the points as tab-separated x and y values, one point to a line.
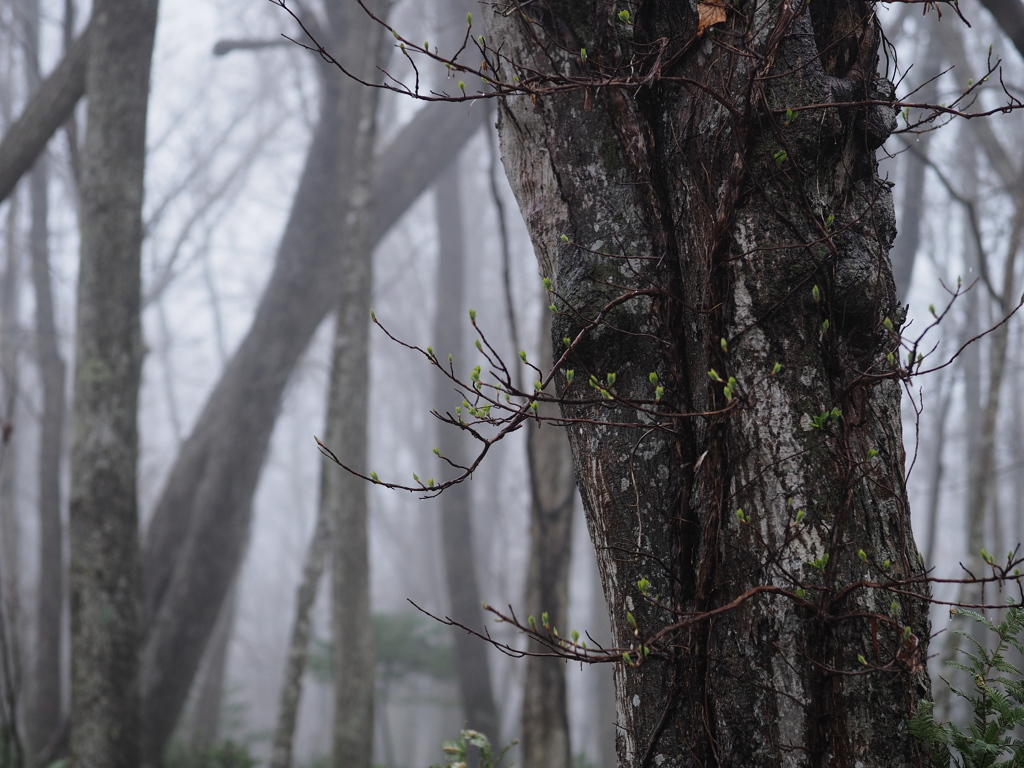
742	226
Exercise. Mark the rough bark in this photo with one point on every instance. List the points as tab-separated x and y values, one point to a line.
692	201
104	576
460	565
545	735
196	538
48	109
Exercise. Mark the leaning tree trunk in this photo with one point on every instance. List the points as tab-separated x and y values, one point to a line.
104	578
699	207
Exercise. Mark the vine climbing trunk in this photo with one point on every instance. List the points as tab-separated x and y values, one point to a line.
700	185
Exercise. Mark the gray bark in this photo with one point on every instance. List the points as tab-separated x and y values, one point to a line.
49	108
471	664
298	643
343	496
545	736
209	696
716	235
104	517
43	709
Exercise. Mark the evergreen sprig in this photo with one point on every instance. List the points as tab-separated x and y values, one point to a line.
996	700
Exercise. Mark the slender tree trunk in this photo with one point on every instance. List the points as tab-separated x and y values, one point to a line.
545	739
904	250
471	664
43	711
343	497
104	517
298	645
709	230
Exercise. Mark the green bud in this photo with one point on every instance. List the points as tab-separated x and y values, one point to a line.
373	476
575	636
469	19
567	341
776	368
862	660
565	238
816	294
643	585
724	345
630	620
624	16
888	324
653	378
610	378
522	355
862	555
570	374
547	283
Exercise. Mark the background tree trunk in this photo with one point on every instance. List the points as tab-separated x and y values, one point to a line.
713	248
471	663
545	739
201	519
43	710
343	496
104	518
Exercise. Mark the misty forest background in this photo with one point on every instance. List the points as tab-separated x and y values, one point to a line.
228	137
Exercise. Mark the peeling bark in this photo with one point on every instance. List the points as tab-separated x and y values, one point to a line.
699	217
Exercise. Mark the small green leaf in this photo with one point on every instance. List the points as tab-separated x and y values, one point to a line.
714	375
472	315
776	368
862	555
630	619
373	476
653	377
575	636
547	283
570	374
624	16
643	585
862	660
583	54
565	238
724	345
469	19
522	355
816	294
888	324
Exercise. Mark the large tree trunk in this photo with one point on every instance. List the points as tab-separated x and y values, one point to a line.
727	232
104	579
